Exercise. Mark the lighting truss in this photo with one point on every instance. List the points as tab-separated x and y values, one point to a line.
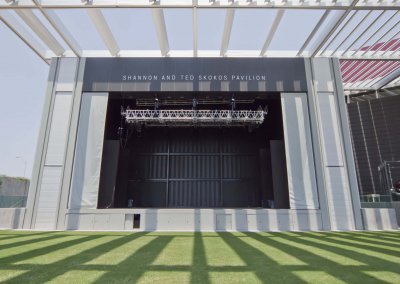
201	118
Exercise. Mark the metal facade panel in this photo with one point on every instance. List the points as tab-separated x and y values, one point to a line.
323	79
66	74
339	198
240	166
194	194
191	166
49	191
150	167
197	144
375	129
194	167
194	74
331	140
88	151
59	129
299	152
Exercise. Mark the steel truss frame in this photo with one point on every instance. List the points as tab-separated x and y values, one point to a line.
319	43
194	117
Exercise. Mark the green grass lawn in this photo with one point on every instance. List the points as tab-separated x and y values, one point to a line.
98	257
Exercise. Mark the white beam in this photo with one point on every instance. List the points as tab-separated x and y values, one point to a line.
12	23
230	15
159	22
389	72
360	69
104	30
271	4
57	24
313	32
195	32
332	39
380	38
376	32
371	75
352	32
272	31
362	33
41	31
392	76
391	39
333	28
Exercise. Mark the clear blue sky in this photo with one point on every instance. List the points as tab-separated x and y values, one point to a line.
23	77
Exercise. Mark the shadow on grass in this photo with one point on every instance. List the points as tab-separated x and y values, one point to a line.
199	268
44	250
316	252
264	267
347	273
43	273
359	237
36	239
11	235
388	248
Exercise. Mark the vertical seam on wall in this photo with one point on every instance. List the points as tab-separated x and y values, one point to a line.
343	113
312	92
66	144
77	93
48	98
45	144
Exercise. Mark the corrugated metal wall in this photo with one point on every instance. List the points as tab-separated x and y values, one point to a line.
375	127
203	168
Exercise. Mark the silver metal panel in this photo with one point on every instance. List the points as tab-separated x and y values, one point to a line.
347	145
40	148
48	198
58	129
329	124
299	152
194	194
150	167
66	74
194	167
323	79
71	140
89	149
339	199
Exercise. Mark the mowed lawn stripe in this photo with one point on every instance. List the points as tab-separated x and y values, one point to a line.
158	257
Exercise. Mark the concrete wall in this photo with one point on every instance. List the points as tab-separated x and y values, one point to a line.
195	219
396	207
11	218
379	219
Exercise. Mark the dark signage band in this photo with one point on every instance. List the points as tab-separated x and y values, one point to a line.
195	74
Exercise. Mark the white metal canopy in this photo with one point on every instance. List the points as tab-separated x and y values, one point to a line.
363	34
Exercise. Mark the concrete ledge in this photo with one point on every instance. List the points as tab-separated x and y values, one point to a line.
207	220
379	218
11	218
396	206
